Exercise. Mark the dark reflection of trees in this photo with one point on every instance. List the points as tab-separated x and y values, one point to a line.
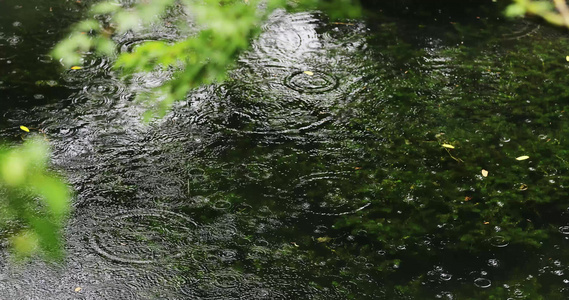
435	225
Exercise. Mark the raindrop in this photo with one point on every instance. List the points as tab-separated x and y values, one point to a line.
143	236
482	283
520	30
564	229
446	276
518	293
499	241
221	205
14	40
318	82
45	58
493	262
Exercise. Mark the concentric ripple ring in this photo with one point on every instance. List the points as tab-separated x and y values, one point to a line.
143	236
311	82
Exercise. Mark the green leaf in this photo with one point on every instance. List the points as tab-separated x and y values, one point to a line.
515	10
104	8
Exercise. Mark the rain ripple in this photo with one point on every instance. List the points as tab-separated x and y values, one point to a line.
143	236
323	194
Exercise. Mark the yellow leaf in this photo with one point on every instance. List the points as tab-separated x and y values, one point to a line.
567	58
308	73
448	146
24	128
523	157
76	68
484	173
78	289
323	239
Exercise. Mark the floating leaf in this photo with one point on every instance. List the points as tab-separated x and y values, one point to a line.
24	128
484	173
76	68
78	289
567	58
448	146
323	239
523	157
308	73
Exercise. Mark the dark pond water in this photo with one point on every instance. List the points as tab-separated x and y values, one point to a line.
316	172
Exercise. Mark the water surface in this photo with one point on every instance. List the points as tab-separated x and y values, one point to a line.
316	172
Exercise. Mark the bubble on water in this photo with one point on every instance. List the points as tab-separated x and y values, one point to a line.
482	283
445	276
493	262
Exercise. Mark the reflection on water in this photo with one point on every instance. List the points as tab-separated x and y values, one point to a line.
315	172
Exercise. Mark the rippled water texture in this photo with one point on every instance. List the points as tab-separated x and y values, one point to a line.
315	172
